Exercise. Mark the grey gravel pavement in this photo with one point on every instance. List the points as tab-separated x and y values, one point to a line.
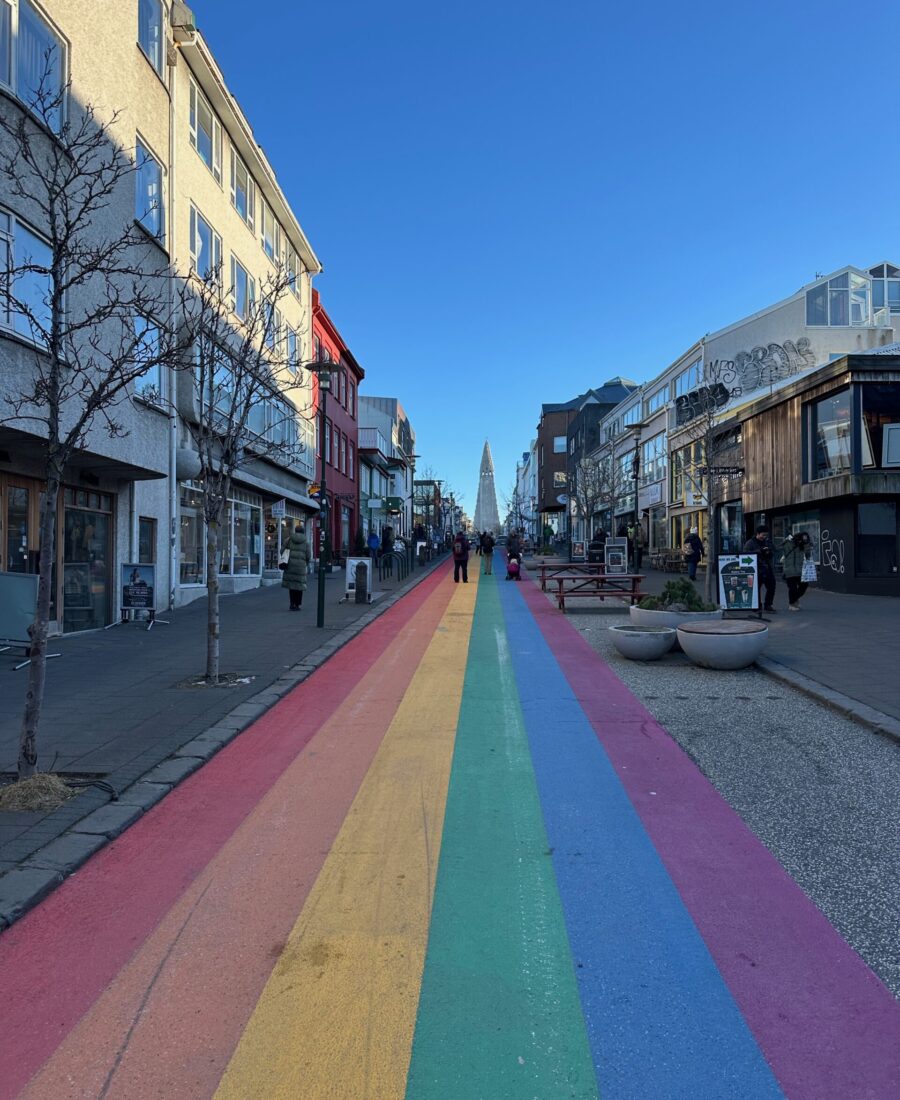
821	792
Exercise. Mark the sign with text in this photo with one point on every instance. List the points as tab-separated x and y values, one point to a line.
138	582
738	582
279	508
615	555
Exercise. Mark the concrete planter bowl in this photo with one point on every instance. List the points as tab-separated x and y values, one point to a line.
642	617
643	643
723	645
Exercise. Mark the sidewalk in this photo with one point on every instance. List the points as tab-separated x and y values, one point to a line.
123	701
844	644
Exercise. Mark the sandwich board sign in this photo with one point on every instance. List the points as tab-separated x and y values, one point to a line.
738	582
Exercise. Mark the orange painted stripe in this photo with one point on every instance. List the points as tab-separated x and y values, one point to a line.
171	1018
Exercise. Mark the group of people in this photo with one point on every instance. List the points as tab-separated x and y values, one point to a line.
484	547
795	550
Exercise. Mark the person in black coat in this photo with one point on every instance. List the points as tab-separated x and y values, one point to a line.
761	544
693	552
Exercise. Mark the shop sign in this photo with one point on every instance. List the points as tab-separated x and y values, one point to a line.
138	582
562	499
650	495
738	582
279	508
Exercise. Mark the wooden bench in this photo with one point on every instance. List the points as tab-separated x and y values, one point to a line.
589	569
615	586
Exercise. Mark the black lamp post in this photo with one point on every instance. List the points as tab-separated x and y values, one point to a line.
323	371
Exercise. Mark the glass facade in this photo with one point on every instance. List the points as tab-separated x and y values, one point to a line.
240	539
87	580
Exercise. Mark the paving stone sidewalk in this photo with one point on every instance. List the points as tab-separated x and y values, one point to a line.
120	705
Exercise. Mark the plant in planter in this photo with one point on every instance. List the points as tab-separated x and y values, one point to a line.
679	602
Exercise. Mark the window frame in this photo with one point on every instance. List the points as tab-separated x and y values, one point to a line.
11	320
149	156
251	288
196	97
12	60
159	66
152	395
196	216
237	161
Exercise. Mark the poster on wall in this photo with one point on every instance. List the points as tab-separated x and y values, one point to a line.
138	583
738	582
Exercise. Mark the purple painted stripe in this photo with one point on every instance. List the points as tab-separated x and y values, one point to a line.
826	1024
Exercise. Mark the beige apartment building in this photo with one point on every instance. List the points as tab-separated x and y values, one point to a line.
204	195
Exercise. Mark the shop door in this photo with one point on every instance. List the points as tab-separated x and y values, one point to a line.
19	503
87	583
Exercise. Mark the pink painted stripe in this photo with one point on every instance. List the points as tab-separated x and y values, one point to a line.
56	961
825	1023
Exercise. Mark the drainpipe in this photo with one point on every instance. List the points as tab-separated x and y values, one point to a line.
173	376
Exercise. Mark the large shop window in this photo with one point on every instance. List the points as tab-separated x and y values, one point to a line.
881	426
240	539
87	559
876	539
829	431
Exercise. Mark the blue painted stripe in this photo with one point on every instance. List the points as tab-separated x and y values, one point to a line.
661	1021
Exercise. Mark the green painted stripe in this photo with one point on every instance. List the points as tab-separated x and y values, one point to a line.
499	1014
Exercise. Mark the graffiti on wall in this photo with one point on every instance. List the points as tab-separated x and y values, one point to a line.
832	552
728	379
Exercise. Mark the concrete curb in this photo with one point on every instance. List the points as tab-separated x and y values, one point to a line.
27	883
836	700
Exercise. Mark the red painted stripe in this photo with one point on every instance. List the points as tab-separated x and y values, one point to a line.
57	960
825	1023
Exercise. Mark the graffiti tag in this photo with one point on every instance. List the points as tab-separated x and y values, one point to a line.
832	552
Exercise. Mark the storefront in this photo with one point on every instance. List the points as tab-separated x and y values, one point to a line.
87	557
240	539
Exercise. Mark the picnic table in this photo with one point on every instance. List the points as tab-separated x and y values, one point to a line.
590	569
616	586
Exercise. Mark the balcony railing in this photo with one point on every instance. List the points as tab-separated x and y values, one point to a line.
371	439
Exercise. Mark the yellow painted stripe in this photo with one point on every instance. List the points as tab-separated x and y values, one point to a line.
337	1016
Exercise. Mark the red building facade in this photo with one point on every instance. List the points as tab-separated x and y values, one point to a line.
338	449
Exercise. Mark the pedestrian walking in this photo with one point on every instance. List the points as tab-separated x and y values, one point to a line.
514	546
296	567
487	550
693	552
797	550
461	557
762	545
373	543
479	543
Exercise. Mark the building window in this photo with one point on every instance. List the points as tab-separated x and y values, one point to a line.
881	425
657	400
243	190
351	399
147	348
146	541
876	539
885	288
148	193
653	459
150	24
681	528
829	430
270	232
335	446
243	289
632	416
328	442
293	353
32	60
206	133
206	247
559	444
351	467
689	379
27	309
192	537
841	301
343	454
687	483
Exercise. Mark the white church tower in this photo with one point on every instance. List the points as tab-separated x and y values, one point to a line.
487	518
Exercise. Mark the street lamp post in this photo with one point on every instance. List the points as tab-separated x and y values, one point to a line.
323	371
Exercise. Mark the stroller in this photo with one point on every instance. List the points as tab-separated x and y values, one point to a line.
513	572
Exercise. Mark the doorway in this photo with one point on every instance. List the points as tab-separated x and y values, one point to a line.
86	560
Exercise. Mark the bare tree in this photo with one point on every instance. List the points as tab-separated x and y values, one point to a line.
516	514
702	423
249	394
586	488
90	295
611	482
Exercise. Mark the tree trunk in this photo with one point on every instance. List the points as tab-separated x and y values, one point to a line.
40	628
212	591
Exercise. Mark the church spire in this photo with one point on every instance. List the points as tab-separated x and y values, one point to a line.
487	517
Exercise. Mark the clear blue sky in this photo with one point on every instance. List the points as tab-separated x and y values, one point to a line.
514	201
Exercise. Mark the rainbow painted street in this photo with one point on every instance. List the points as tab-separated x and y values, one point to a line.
459	861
